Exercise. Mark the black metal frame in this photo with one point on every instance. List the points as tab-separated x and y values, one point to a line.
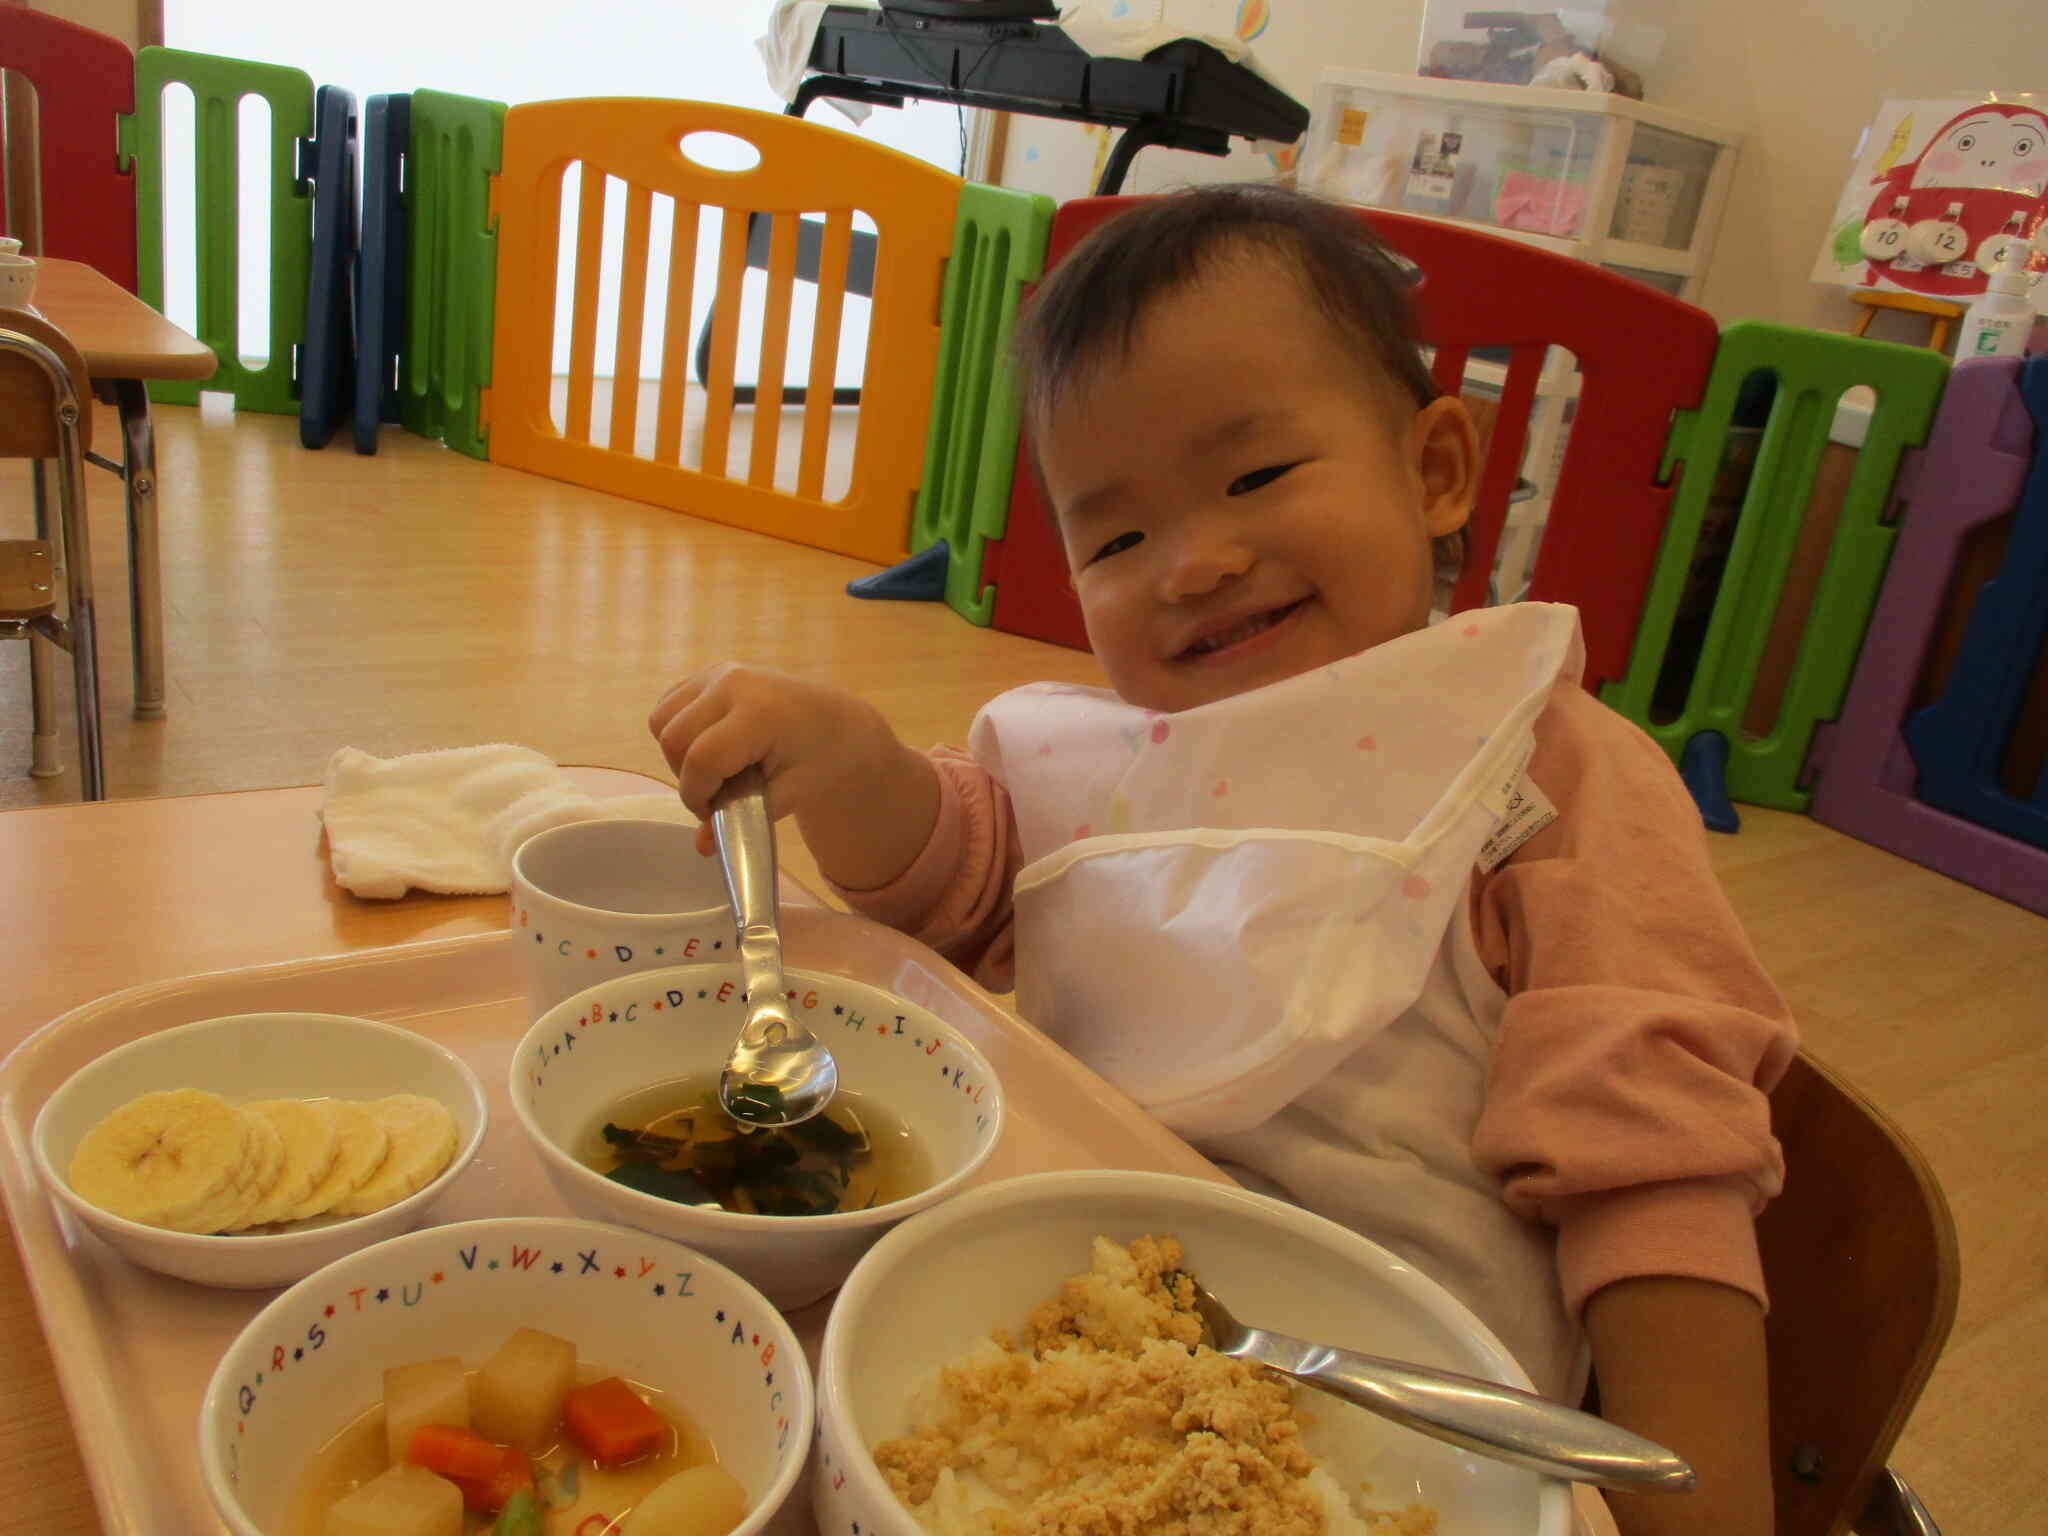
991	54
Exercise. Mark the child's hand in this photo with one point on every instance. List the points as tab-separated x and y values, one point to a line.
718	721
864	802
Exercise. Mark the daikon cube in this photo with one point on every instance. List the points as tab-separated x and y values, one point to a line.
700	1501
425	1392
403	1501
517	1396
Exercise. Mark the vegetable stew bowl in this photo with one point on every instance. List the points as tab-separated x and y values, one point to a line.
634	1305
985	1260
584	1056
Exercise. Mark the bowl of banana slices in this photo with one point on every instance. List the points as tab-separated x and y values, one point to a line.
251	1150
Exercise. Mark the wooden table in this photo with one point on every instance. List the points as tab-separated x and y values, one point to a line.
116	893
125	344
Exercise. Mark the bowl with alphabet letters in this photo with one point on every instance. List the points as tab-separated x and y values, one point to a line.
616	1088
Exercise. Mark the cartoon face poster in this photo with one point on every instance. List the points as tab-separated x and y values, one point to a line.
1940	191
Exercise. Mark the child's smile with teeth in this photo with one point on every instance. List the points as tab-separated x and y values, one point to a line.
1244	630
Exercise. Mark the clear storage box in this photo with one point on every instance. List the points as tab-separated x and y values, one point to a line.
1601	177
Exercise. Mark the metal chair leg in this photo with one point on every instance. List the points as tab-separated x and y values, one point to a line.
43	761
79	621
77	631
145	563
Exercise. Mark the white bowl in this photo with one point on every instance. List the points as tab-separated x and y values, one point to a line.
582	1057
259	1056
984	1260
635	1305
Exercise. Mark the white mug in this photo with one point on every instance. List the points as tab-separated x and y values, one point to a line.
596	899
17	280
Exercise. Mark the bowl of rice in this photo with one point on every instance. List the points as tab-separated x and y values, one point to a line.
1053	1372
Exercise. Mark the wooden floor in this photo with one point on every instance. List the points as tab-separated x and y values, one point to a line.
419	599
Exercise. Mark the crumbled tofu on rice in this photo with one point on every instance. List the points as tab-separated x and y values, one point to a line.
1113	1418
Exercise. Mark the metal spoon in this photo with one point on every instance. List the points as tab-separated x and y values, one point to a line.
1482	1416
778	1072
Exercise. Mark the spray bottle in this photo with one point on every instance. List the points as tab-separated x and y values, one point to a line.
2001	320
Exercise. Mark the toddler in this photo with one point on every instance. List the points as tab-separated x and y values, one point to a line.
1391	918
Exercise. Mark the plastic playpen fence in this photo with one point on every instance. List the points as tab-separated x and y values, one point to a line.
84	84
999	246
634	149
218	86
455	147
1983	461
1812	370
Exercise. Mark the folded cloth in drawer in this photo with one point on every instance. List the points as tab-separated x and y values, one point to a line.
450	820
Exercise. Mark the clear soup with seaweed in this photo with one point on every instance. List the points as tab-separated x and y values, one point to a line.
675	1140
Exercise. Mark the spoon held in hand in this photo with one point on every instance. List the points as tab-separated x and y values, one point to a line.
778	1072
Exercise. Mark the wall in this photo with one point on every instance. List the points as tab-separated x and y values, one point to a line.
1800	82
116	18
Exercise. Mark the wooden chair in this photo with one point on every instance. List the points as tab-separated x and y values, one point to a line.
1859	1252
46	415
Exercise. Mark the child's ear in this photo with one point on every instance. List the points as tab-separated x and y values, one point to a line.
1443	445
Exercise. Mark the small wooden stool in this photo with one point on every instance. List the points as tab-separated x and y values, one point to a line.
1940	312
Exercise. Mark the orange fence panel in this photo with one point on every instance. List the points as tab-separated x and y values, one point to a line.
654	230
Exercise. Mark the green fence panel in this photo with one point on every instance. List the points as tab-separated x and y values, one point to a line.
218	86
1812	370
452	274
999	245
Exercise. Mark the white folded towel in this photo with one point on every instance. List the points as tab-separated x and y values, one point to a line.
450	820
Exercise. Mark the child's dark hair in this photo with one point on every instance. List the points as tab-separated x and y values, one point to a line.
1088	309
1090	305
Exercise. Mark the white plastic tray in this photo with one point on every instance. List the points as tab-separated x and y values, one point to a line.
134	1350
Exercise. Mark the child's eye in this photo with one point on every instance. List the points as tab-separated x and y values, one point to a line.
1118	545
1244	484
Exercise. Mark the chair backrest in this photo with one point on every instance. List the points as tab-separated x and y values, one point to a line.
28	414
631	152
1859	1254
84	83
1641	354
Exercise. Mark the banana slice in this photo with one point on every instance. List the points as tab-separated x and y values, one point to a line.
361	1143
423	1138
260	1168
310	1141
167	1159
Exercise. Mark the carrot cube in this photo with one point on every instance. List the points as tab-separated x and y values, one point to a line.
453	1453
608	1419
487	1474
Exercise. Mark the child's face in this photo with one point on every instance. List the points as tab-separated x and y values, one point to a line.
1239	498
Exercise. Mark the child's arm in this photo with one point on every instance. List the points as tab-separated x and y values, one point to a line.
1682	1361
1628	1105
864	802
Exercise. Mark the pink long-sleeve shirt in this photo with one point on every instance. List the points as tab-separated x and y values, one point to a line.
1626	1104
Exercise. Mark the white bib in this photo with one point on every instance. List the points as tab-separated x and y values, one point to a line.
1219	906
